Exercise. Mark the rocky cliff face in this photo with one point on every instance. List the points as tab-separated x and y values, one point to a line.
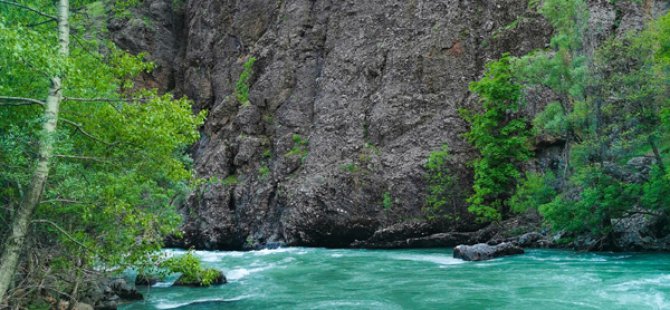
347	99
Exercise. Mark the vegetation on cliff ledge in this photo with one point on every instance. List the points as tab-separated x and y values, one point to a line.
610	113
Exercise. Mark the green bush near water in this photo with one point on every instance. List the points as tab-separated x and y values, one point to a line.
191	270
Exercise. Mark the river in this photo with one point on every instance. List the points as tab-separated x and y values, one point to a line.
309	278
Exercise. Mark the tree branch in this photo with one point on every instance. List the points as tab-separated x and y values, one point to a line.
64	201
108	99
81	157
25	7
41	23
65	233
79	128
18	101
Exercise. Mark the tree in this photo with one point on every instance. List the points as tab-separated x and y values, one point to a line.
610	110
500	133
444	193
102	162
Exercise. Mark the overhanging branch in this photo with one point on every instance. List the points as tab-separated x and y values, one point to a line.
65	233
79	128
108	99
60	200
19	101
81	157
25	7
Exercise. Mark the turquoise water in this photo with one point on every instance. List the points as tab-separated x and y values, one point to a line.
302	278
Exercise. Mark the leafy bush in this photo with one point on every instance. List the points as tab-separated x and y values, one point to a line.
191	270
242	85
443	197
533	191
591	209
299	147
551	120
264	171
387	201
350	168
656	191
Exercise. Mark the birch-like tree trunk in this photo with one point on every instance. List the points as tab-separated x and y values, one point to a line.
21	220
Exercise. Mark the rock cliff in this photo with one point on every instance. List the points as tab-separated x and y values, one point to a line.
347	99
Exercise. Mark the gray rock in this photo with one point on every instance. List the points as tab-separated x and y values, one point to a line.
124	291
529	239
483	251
643	230
146	280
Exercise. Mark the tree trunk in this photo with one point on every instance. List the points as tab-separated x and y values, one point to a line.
21	220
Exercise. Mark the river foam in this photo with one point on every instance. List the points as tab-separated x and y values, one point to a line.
313	278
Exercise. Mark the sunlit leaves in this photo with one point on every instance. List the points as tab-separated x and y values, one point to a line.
119	160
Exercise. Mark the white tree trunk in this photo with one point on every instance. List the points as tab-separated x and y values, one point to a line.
21	220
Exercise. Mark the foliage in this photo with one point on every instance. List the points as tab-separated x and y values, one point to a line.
617	114
230	180
264	171
610	106
299	149
120	163
443	196
656	191
242	85
350	168
387	201
551	121
191	270
601	198
500	133
533	191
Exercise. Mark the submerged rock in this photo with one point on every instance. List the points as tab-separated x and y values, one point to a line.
146	280
182	281
108	293
123	290
483	251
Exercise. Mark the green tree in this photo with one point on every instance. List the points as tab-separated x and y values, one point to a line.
500	133
613	105
444	195
91	164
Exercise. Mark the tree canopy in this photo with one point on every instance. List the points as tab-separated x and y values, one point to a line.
117	161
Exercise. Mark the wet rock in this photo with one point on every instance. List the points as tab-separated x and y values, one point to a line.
146	280
65	305
531	239
642	230
125	291
430	241
483	251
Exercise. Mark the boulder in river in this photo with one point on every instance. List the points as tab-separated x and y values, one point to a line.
146	279
483	251
123	290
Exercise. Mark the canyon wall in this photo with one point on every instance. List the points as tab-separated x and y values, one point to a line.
347	100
